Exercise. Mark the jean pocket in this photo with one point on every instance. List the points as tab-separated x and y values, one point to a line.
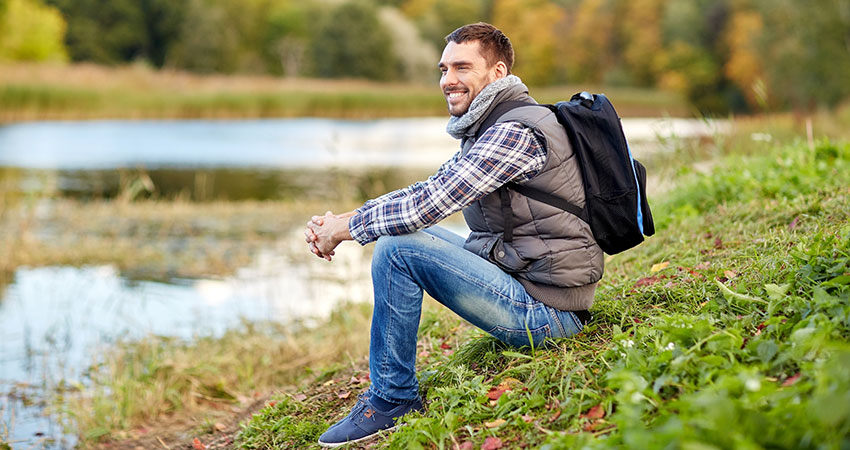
568	323
519	338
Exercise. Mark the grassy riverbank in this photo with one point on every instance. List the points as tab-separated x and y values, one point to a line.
728	328
83	91
744	286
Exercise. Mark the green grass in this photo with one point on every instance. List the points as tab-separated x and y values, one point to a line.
25	101
138	382
39	102
84	91
728	329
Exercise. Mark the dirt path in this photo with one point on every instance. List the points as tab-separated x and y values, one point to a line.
174	434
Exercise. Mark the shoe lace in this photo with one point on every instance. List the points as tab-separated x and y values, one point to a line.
362	403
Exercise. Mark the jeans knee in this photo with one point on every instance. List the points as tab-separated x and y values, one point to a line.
387	245
384	246
387	248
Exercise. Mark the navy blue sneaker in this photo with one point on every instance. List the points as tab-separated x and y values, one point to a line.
364	422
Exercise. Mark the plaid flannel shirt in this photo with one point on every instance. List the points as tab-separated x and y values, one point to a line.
507	151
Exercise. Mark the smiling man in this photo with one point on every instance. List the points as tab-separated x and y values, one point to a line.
526	272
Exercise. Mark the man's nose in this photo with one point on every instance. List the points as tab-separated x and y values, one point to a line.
449	78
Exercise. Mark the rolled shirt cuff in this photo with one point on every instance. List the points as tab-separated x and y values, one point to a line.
358	230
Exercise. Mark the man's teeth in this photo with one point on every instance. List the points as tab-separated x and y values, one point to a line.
455	94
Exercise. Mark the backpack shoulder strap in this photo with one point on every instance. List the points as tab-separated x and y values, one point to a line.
536	194
500	110
549	199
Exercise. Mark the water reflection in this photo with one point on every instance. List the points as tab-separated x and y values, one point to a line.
206	184
54	319
251	159
273	143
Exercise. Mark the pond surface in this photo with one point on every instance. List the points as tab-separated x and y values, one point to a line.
53	319
287	143
247	159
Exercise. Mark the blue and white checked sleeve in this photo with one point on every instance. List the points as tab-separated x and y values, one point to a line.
506	152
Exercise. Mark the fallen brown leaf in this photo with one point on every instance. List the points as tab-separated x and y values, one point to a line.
597	412
491	443
647	281
659	267
791	380
344	394
466	445
299	397
495	393
595	425
555	416
198	445
496	423
510	383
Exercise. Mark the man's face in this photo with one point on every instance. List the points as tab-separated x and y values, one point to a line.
465	73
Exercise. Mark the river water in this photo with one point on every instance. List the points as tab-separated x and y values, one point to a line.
53	319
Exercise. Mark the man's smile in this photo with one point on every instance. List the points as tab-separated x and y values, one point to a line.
455	97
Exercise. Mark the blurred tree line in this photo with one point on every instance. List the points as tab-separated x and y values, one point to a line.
722	54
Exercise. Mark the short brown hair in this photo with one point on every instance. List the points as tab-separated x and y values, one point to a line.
495	46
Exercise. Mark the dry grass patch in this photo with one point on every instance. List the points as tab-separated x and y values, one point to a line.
149	239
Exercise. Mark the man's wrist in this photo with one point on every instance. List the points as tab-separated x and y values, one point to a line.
341	232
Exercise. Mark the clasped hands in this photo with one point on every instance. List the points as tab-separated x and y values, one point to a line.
324	233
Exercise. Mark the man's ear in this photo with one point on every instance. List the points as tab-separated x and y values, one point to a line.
500	69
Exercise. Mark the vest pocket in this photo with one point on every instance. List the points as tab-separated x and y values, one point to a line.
507	258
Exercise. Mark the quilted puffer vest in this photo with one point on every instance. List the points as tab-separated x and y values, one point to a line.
553	253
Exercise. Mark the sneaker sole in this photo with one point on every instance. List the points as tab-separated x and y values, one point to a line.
357	441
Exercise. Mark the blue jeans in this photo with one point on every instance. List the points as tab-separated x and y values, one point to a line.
435	261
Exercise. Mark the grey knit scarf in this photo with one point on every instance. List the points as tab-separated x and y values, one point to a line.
458	125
